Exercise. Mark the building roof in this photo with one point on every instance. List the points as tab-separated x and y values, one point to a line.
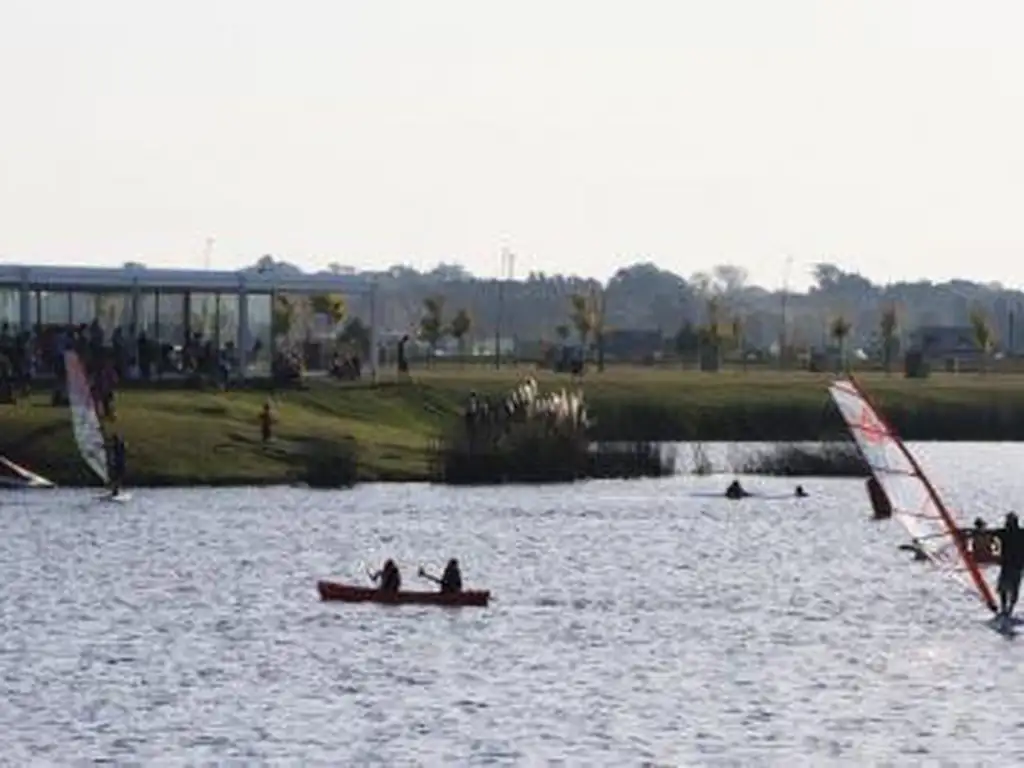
125	278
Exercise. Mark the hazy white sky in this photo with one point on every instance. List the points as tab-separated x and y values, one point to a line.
885	135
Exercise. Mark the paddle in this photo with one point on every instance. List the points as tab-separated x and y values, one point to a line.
424	575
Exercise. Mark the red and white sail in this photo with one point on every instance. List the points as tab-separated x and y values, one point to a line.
84	420
915	502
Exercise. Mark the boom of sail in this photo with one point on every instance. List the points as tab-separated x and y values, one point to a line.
915	502
23	477
84	420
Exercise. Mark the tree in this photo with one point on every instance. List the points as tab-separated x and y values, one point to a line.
432	323
597	303
888	325
702	283
710	334
282	316
330	304
588	317
983	335
840	329
459	327
582	317
826	275
357	335
729	278
738	341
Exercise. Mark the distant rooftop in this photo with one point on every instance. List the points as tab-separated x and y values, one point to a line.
252	279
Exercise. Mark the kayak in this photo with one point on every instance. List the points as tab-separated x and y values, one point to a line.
347	593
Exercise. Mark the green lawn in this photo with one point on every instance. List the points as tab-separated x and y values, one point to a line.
190	437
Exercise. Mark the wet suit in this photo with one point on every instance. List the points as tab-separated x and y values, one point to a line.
735	491
880	504
1011	545
117	465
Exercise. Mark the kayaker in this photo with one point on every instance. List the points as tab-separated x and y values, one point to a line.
450	581
880	504
117	464
735	490
389	577
800	492
1011	564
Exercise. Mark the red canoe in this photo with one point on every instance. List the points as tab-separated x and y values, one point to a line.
347	593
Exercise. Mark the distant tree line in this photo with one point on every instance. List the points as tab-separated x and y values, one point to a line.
718	309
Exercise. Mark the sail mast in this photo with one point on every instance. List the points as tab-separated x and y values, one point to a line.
947	519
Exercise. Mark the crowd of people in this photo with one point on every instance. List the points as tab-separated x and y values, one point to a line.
28	356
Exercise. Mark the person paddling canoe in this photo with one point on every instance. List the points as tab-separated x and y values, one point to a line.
389	577
450	581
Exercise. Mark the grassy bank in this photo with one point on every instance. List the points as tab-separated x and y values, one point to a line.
187	437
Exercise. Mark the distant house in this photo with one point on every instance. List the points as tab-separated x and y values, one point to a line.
634	345
953	344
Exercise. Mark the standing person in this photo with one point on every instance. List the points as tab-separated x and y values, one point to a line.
118	460
880	504
1011	564
266	423
403	362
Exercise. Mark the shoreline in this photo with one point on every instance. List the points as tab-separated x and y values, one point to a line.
180	437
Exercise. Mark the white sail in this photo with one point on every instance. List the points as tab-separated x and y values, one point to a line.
915	502
26	479
84	421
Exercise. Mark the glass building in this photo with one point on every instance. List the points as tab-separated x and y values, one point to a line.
169	305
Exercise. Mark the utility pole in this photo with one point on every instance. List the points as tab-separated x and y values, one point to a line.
783	331
507	261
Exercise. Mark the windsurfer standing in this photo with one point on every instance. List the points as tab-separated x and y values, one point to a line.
117	464
880	504
1011	548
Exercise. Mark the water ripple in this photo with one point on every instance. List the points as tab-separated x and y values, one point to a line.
633	624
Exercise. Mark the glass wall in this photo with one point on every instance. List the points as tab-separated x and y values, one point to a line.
10	308
83	308
171	317
53	307
228	319
114	310
203	318
165	316
147	320
259	331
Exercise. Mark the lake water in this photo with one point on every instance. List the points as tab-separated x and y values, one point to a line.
632	624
